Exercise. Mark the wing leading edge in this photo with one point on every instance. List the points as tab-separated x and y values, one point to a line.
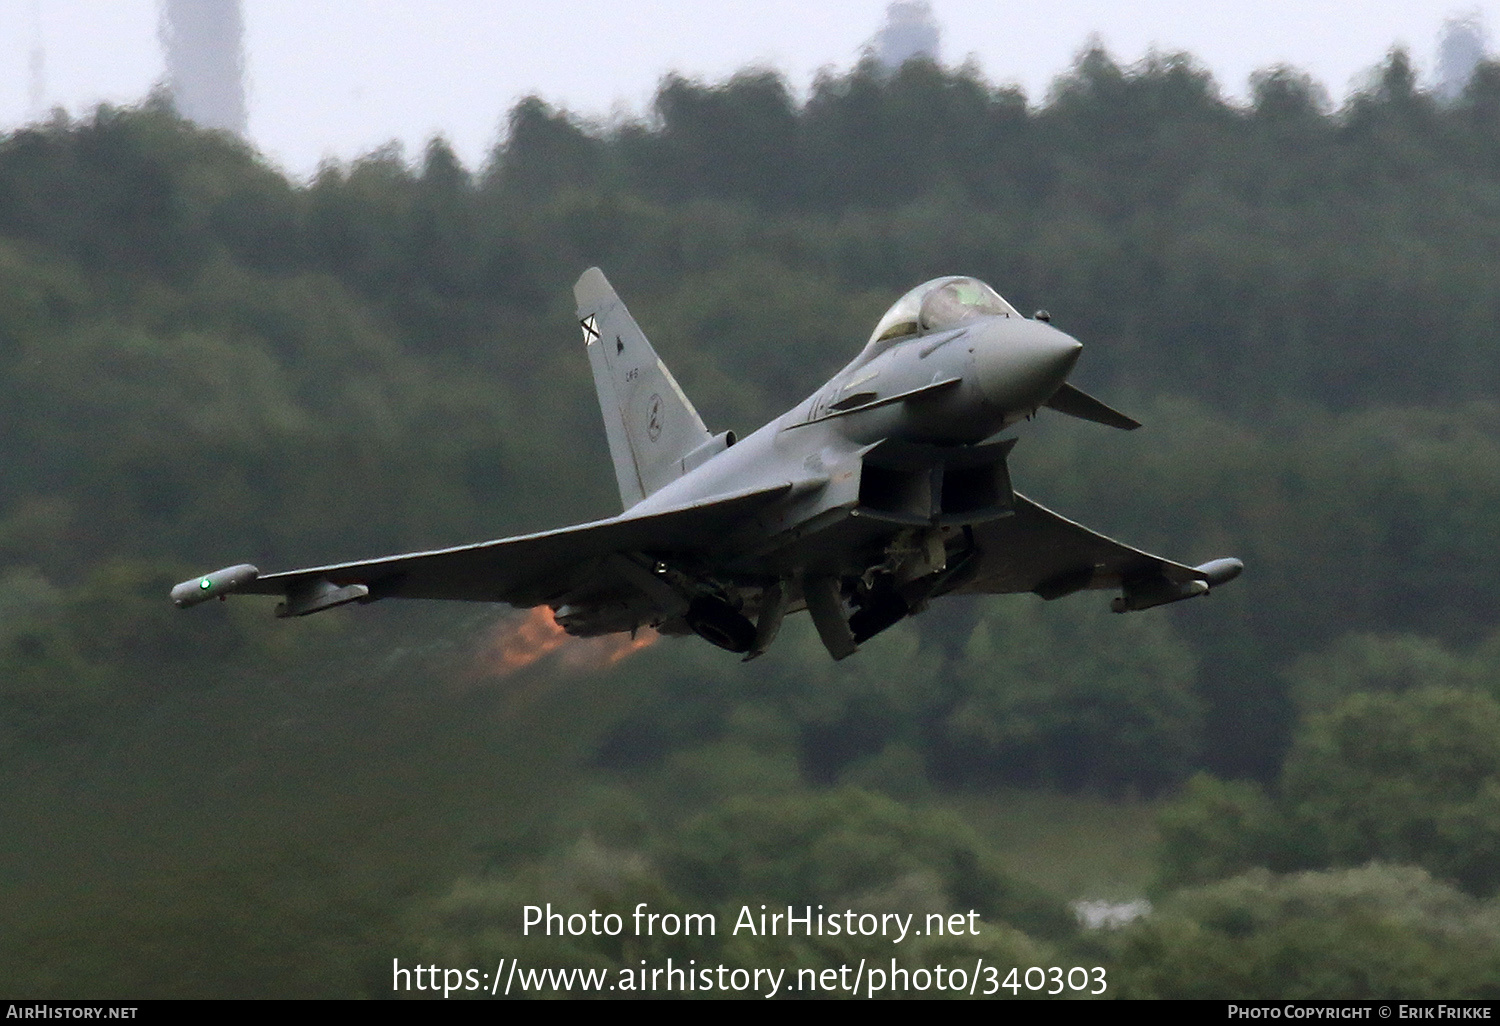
524	571
1039	551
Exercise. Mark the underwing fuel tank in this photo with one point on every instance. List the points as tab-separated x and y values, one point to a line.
1158	591
214	585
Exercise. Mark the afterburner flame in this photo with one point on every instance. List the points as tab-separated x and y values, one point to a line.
611	648
518	641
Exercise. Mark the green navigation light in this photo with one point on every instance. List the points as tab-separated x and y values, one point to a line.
205	584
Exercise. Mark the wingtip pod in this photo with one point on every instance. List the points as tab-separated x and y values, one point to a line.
1220	571
214	585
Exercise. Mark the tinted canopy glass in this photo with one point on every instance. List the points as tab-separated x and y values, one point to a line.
938	305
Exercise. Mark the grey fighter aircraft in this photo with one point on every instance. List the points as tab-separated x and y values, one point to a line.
885	489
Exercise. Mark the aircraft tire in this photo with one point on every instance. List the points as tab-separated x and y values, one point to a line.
886	610
719	623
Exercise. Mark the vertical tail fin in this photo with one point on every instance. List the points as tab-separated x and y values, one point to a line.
650	424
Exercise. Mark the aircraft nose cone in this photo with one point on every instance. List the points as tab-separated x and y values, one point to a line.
1021	363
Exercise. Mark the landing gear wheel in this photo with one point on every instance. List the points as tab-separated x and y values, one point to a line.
719	623
884	610
879	606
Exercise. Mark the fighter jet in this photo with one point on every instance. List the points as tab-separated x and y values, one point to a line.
886	488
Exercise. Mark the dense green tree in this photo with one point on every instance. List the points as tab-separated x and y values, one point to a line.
848	846
1412	778
1391	664
546	151
1403	776
1214	829
1378	932
1076	699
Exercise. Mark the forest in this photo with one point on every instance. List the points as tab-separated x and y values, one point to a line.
205	361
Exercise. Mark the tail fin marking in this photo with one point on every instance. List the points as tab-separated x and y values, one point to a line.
650	424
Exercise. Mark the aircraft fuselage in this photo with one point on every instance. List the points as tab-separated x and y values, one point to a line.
885	488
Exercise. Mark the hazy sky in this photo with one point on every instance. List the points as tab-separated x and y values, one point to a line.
340	77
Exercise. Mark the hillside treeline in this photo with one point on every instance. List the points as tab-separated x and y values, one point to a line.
204	361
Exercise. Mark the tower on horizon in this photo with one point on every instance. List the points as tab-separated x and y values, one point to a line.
1461	47
36	92
205	47
910	30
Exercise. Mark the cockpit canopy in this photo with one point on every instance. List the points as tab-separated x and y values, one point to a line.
937	305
